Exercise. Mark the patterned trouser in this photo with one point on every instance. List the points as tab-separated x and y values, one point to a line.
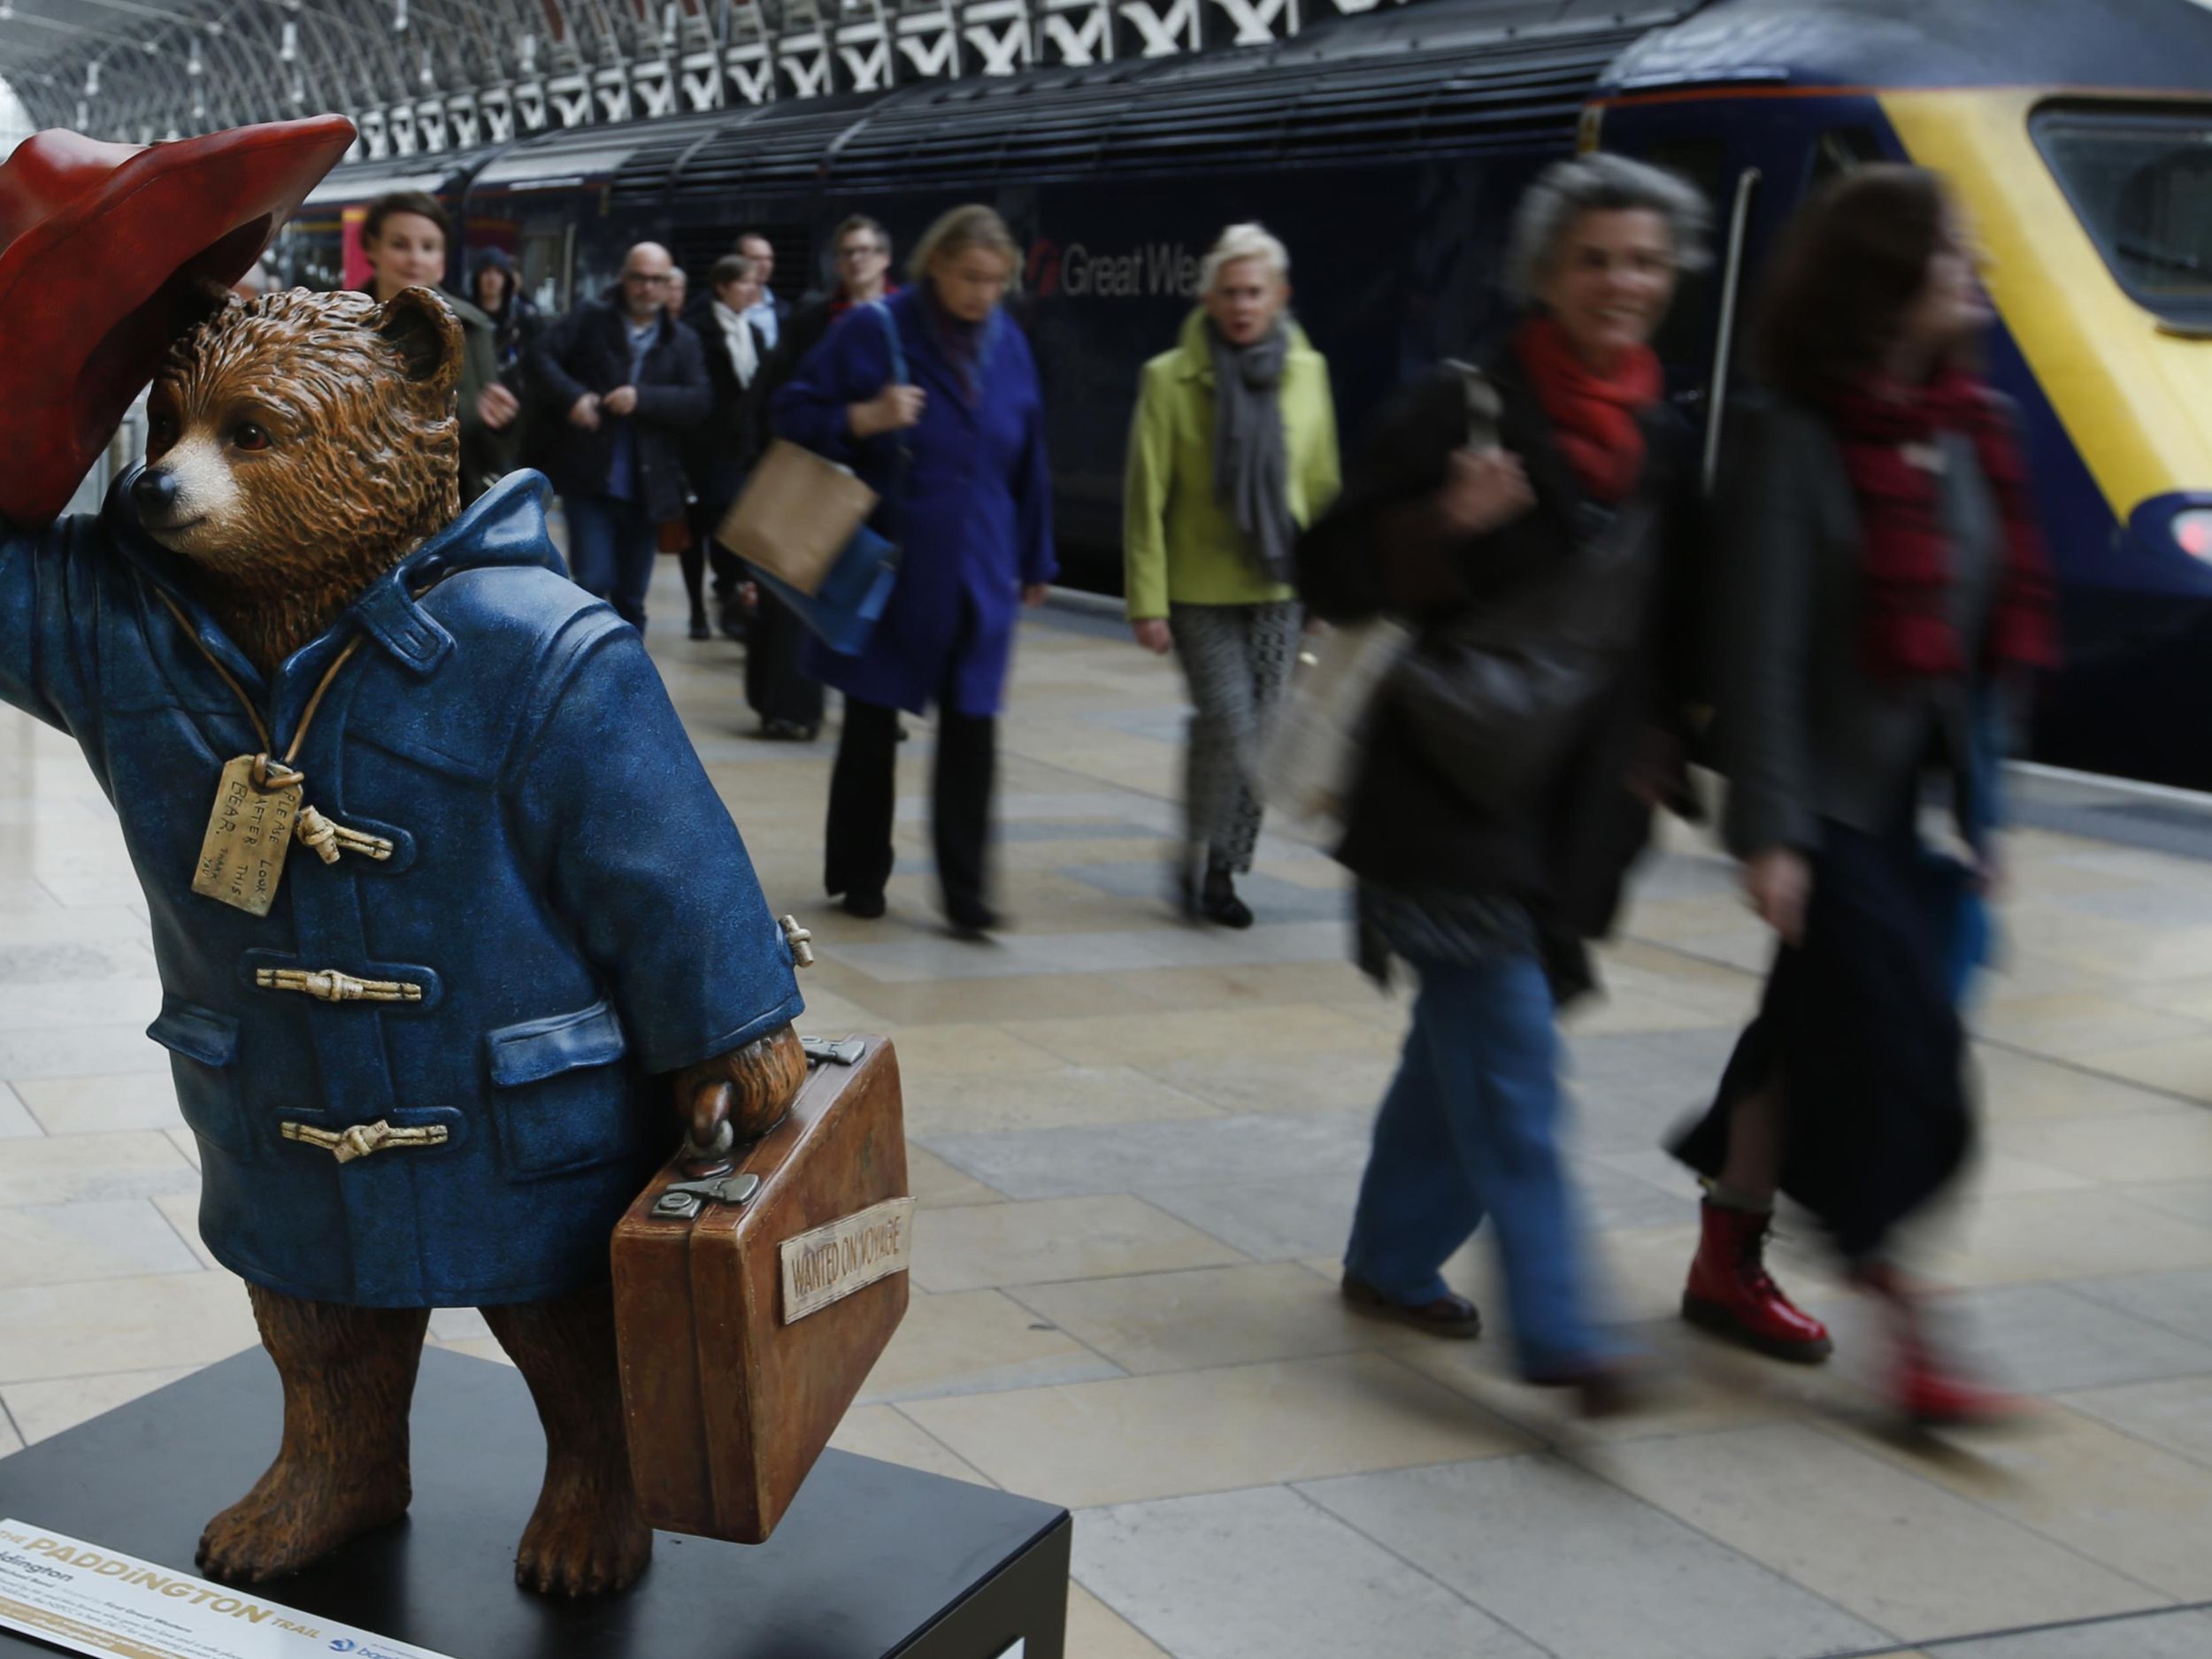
1237	659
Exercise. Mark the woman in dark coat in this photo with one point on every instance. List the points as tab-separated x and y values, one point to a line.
1889	581
970	507
720	451
1511	754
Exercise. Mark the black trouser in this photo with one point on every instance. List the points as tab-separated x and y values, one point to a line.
776	686
703	549
863	793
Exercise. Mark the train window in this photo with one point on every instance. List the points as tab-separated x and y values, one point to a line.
1841	149
2141	182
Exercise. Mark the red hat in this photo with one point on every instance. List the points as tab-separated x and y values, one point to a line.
98	245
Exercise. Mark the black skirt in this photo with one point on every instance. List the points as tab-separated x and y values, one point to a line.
1860	1028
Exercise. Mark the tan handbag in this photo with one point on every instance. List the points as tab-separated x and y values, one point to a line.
796	516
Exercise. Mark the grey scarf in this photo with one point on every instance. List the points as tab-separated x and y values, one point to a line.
1251	465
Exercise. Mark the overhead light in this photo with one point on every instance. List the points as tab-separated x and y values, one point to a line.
92	79
399	17
288	43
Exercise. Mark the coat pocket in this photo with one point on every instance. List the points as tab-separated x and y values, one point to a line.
203	1047
561	1102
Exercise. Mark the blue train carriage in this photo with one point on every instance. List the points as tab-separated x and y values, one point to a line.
2079	137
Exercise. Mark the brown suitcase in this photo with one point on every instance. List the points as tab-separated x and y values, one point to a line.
749	1314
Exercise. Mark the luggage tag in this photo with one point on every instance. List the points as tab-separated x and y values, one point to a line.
242	857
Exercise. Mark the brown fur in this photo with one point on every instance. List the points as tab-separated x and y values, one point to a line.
586	1536
753	1086
363	465
341	1469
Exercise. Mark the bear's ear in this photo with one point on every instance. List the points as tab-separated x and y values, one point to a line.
194	301
428	336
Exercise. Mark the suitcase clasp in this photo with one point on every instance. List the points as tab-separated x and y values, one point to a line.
684	1199
833	1050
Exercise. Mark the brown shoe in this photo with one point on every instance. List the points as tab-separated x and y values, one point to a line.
1449	1316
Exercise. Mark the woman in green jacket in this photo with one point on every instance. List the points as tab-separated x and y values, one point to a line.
1233	452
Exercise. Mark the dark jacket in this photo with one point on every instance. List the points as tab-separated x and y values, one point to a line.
516	323
487	455
500	728
973	514
1805	733
1601	598
588	350
721	450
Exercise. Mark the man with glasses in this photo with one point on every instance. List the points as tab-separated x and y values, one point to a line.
624	381
767	313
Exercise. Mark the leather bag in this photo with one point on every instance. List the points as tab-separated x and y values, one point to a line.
802	524
751	1305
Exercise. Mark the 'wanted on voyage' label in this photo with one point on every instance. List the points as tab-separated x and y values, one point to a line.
831	1263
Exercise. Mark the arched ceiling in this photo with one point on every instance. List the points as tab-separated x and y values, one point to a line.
425	75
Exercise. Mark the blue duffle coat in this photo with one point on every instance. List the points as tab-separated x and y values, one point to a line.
566	893
972	516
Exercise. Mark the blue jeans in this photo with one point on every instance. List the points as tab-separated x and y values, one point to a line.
1469	1129
611	545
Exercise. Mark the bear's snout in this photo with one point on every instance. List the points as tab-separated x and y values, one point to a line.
155	495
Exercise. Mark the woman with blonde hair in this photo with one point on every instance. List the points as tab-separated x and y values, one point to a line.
1233	452
956	449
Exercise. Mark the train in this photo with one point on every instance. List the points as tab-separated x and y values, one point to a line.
1386	148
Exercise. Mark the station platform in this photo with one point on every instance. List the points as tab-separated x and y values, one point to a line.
1137	1144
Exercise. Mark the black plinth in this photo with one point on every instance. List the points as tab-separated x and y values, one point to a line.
873	1559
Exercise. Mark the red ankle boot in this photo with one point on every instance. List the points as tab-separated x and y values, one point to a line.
1931	1395
1732	1295
1928	1388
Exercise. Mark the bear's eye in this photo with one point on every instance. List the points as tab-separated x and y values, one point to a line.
162	430
249	436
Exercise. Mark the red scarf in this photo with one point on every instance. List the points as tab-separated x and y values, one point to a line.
1592	415
1890	435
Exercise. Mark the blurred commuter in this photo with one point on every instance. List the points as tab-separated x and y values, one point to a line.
1233	452
404	237
766	312
678	292
721	451
1888	583
514	314
959	455
860	253
779	687
627	381
1499	804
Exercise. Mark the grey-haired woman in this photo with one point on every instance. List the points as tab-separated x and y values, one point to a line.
1490	833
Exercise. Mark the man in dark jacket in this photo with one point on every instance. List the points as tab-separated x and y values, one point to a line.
627	381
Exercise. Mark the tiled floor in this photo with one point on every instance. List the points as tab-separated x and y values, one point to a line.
1137	1146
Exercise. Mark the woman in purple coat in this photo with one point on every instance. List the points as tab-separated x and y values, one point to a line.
959	455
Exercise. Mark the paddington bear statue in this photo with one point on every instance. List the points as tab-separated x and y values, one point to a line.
455	937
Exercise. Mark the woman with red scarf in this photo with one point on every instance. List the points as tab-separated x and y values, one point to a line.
1889	586
1526	524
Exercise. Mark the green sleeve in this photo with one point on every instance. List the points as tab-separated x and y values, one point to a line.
1144	500
1325	481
